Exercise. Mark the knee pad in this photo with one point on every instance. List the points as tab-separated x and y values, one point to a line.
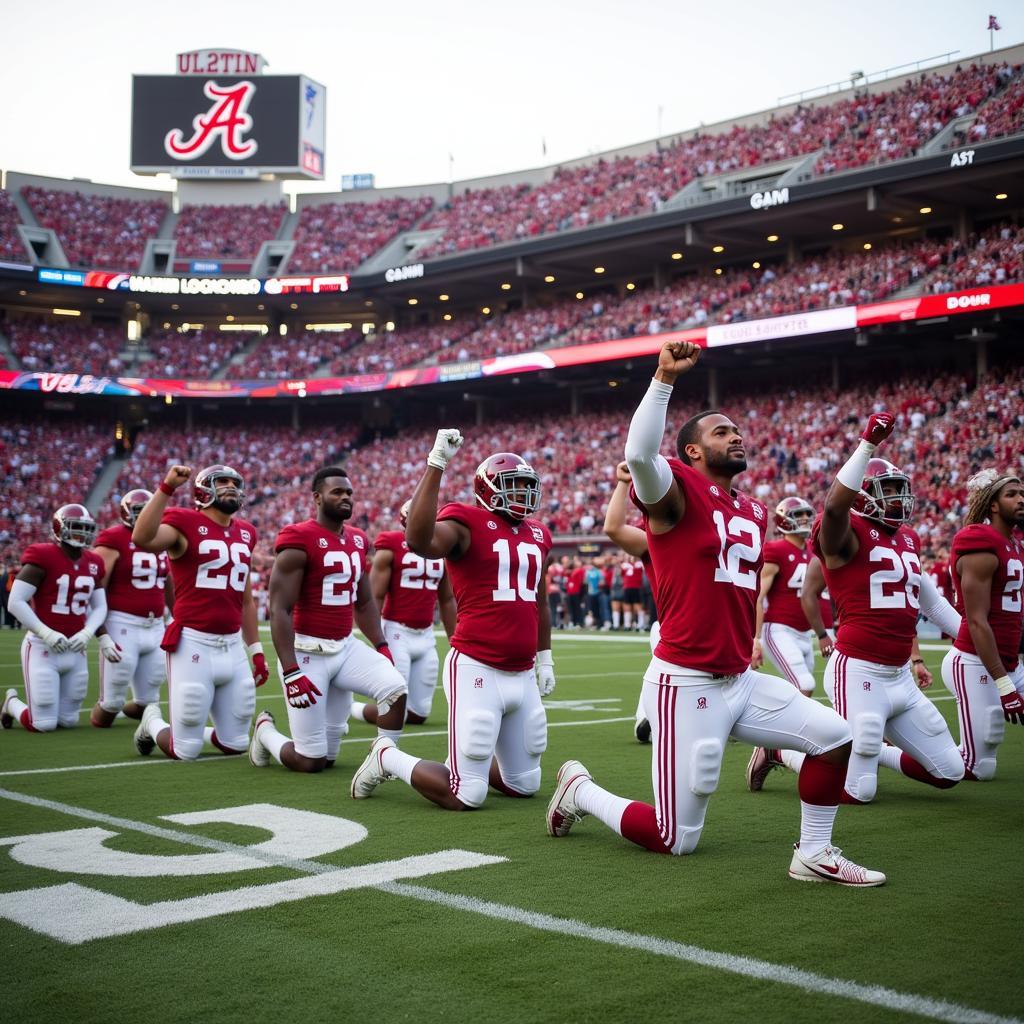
193	707
950	764
245	702
527	783
863	787
472	791
536	733
44	696
985	769
686	840
993	726
705	767
868	730
44	723
188	749
929	718
476	737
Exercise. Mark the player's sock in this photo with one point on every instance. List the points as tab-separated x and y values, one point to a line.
816	821
616	620
273	741
792	759
639	824
398	763
157	725
627	620
392	734
358	711
334	734
18	710
890	758
820	785
207	735
604	806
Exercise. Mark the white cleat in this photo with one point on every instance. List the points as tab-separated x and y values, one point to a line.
831	866
642	730
6	718
563	811
259	756
370	774
144	742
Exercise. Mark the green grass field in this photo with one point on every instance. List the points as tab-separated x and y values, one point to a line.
586	928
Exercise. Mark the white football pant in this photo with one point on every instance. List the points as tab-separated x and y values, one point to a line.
415	654
791	651
55	684
142	665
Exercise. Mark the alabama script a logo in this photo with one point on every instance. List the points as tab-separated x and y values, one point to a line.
226	121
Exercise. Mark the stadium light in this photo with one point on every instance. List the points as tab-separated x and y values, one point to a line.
579	295
598	270
677	255
294	305
414	302
718	248
630	286
67	312
549	278
230	318
168	399
390	325
773	238
718	270
443	298
23	293
486	310
167	326
925	209
282	330
505	286
756	264
837	227
175	306
1001	195
261	307
867	245
99	300
447	316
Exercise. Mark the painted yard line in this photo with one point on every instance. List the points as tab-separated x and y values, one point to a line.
761	970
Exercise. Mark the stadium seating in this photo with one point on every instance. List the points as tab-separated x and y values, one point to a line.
193	354
994	257
11	246
226	232
97	231
68	345
341	236
300	356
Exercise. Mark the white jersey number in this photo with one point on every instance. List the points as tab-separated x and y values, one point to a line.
734	551
1014	582
902	577
419	572
529	563
209	576
146	571
796	581
340	587
79	597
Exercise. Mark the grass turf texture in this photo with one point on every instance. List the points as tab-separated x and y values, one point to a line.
946	926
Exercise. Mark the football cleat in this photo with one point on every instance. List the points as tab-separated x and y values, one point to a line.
144	742
831	866
259	756
642	730
370	774
761	762
6	718
563	811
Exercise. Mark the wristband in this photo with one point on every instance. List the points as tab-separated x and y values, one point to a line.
545	658
852	473
166	488
917	661
254	649
823	634
383	643
1005	686
286	672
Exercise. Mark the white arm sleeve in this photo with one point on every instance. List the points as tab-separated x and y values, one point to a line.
97	611
18	605
651	474
937	609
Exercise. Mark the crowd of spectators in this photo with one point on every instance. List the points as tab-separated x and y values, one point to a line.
1002	115
341	236
97	231
994	257
68	345
385	351
193	354
11	245
233	232
301	355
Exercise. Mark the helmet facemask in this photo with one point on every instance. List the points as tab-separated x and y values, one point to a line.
893	509
514	492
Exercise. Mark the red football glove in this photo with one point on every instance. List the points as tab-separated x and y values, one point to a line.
260	672
879	427
1013	708
386	651
299	689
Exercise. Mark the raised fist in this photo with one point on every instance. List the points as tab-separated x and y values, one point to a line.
446	444
677	357
622	473
176	476
879	427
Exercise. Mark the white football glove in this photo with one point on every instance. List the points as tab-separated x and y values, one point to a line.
545	673
57	642
446	444
79	641
109	648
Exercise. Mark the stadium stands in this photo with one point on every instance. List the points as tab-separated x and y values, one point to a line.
97	230
294	356
226	232
341	236
68	345
191	354
994	257
1003	114
11	246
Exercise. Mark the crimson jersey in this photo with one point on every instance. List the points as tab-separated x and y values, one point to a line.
412	589
136	584
495	584
62	600
877	593
633	575
1005	605
784	595
335	563
209	579
708	570
652	574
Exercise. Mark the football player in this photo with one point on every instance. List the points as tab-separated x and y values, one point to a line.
500	664
58	597
781	628
214	625
982	669
408	587
875	675
706	540
633	541
319	585
137	591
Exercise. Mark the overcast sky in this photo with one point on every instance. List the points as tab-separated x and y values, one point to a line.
410	82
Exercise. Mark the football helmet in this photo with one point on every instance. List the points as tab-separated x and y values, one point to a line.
403	512
204	489
507	483
132	504
73	525
794	515
893	509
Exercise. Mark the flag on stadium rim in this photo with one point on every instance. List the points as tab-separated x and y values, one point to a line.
993	24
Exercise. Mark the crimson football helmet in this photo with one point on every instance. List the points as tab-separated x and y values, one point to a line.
403	512
204	489
73	525
508	484
892	509
132	504
794	515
